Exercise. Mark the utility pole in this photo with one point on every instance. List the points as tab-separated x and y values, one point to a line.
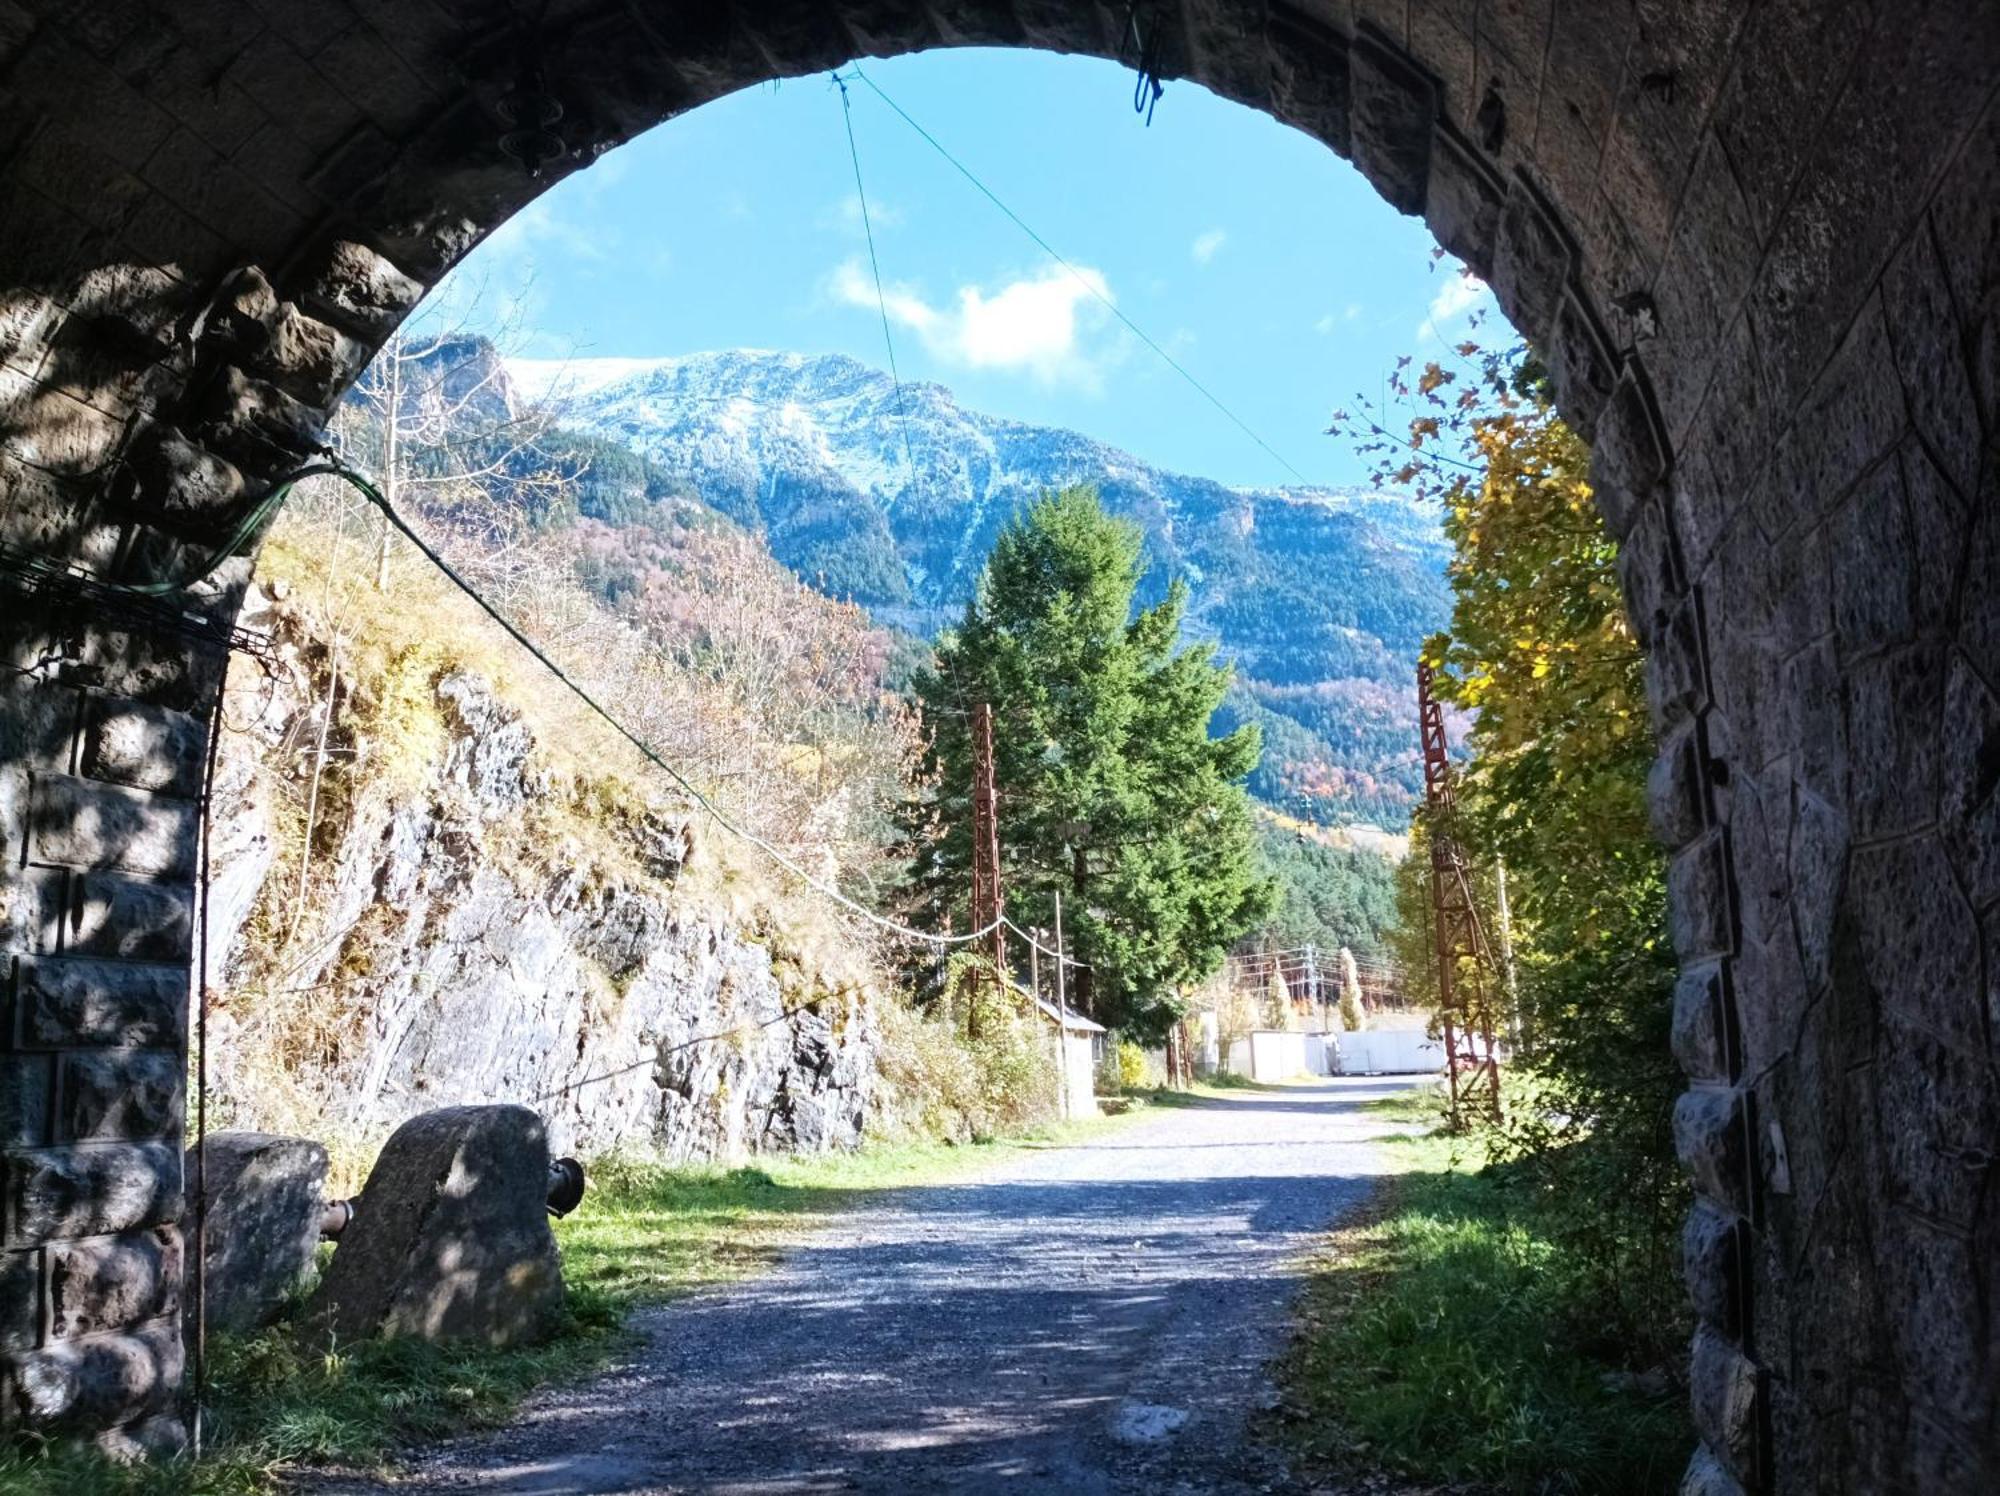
1062	1011
1062	1032
1460	934
1507	982
987	906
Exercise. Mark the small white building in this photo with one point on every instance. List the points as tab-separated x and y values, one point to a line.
1079	1037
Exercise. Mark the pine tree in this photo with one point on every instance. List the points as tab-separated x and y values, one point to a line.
1111	789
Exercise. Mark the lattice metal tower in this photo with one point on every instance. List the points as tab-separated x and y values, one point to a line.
1464	961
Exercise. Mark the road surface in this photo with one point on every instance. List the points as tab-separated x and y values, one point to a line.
1084	1320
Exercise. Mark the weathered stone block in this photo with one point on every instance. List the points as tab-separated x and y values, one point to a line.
244	314
77	823
1872	570
1818	862
1309	89
1813	719
143	746
1462	204
20	1302
99	1382
1706	1477
61	1004
1970	774
37	721
1531	263
1677	668
1701	1035
27	1089
1893	710
1628	461
106	915
1677	790
62	433
1392	111
121	1094
164	671
257	425
1710	1138
1726	1394
1937	382
308	359
265	1197
1581	365
451	1237
1701	899
98	1190
111	1283
1647	563
182	485
1919	939
1714	1249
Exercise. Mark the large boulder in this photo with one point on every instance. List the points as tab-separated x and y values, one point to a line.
265	1197
450	1239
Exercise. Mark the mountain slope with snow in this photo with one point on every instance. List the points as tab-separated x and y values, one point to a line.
1320	596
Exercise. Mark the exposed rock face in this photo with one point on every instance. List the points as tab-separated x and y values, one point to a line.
450	1240
265	1195
468	963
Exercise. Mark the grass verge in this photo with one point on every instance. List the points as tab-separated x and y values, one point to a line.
1432	1342
647	1233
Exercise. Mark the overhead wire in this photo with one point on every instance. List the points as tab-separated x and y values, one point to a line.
875	267
1090	286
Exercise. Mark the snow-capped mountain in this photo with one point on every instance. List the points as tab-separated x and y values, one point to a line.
1321	596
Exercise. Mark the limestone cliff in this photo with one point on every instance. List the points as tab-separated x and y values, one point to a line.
471	926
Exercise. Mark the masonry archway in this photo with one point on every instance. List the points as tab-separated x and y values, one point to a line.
1759	244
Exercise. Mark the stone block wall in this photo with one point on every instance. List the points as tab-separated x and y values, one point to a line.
99	770
1758	242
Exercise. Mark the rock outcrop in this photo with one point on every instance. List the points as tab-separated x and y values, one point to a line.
454	950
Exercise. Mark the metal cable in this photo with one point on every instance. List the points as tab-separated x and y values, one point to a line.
875	266
1083	280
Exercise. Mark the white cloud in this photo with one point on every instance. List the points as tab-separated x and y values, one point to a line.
1458	295
1032	325
845	216
1326	325
1207	245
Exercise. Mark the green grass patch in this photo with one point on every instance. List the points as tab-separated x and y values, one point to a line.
1436	1340
646	1233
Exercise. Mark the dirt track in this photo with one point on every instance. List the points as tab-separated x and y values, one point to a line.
1092	1319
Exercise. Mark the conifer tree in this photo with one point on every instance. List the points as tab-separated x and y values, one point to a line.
1111	789
1352	1017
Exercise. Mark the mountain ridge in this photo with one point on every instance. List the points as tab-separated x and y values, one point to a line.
891	497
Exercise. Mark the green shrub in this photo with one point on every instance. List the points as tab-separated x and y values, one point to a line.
1135	1069
942	1084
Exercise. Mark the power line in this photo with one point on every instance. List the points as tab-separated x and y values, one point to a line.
875	266
1083	280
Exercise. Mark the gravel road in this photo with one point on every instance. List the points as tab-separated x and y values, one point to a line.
1090	1319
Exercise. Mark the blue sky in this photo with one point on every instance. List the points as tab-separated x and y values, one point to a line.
1260	259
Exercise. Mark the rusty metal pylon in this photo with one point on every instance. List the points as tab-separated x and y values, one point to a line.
1472	1069
987	903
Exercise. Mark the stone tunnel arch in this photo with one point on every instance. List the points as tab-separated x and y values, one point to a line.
1759	244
